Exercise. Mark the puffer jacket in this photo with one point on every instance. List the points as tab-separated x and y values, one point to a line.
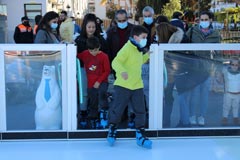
66	30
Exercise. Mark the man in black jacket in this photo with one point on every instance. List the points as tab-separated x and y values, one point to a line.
118	35
23	32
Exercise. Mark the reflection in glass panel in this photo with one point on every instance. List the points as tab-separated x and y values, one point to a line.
203	89
33	93
3	23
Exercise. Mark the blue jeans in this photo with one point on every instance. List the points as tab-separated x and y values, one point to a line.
184	102
200	98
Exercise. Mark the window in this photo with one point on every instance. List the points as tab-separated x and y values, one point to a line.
31	10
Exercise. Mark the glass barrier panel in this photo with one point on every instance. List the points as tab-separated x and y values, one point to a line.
33	90
203	89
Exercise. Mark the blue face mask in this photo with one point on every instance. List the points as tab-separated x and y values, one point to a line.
54	25
204	24
143	42
122	25
148	20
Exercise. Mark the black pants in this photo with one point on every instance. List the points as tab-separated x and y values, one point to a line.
97	100
122	97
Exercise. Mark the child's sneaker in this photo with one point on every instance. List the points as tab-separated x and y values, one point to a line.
224	121
236	121
142	140
103	118
201	121
112	134
193	120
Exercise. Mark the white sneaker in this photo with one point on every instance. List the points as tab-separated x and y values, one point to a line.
201	121
193	120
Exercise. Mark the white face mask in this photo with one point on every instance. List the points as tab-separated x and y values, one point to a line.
74	22
204	24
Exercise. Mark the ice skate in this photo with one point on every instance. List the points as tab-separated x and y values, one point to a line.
95	124
142	140
112	133
104	118
82	120
131	124
131	121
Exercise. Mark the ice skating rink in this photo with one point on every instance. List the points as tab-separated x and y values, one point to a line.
201	148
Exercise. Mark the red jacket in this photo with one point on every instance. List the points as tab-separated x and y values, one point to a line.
97	67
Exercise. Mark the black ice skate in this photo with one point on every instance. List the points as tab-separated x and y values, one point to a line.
82	120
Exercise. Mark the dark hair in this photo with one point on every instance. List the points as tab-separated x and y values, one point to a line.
120	11
177	14
93	42
210	14
46	19
38	19
161	19
64	12
137	30
165	31
89	18
99	23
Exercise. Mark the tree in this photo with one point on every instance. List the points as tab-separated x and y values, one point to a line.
156	4
111	9
172	6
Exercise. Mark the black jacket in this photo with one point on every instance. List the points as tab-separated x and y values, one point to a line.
23	34
114	42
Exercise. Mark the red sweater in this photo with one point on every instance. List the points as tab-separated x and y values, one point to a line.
97	67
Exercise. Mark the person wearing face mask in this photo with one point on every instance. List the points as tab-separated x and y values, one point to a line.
128	86
118	35
148	22
23	32
47	29
88	29
202	33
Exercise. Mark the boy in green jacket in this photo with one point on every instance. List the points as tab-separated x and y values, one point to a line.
128	85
